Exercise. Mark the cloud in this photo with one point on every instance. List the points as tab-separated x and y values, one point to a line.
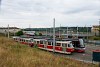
97	13
41	12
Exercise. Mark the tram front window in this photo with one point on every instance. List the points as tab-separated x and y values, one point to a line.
78	44
81	43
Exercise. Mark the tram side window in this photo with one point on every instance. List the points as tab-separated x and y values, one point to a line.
45	42
38	42
23	40
58	44
69	45
26	40
29	40
64	44
20	39
35	42
41	42
49	43
32	40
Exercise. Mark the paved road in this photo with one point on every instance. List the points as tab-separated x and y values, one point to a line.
87	56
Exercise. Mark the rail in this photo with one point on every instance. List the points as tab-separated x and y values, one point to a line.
93	42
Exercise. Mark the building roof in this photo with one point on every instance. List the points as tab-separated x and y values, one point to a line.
9	28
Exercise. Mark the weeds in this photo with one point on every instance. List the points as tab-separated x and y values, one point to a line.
14	54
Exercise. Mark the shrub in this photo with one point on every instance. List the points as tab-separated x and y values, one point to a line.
19	33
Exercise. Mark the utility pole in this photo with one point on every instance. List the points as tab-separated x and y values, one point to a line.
87	33
0	3
67	31
54	35
14	30
50	32
8	30
99	27
77	32
59	31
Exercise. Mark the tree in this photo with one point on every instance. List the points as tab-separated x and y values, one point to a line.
19	33
40	34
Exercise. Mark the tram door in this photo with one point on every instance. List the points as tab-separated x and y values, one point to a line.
64	46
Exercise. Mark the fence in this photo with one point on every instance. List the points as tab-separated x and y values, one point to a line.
93	42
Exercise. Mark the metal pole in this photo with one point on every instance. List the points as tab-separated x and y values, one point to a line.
59	31
77	31
50	31
67	31
87	33
0	3
8	30
46	32
99	27
54	35
14	30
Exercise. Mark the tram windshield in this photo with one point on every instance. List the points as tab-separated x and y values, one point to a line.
78	43
81	43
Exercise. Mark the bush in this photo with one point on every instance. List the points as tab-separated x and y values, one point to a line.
96	38
19	33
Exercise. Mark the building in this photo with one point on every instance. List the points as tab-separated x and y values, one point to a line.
11	29
29	33
95	29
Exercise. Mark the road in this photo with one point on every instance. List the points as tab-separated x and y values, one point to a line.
87	56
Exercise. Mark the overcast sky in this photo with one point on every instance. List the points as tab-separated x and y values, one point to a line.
40	13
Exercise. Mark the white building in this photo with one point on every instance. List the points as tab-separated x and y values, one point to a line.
11	29
29	32
95	29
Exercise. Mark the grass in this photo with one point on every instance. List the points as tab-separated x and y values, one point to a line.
13	54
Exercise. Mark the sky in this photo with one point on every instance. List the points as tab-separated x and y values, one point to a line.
40	13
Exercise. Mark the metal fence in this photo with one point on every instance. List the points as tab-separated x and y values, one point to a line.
92	42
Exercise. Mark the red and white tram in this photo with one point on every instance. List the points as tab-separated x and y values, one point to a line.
16	38
64	47
40	43
60	46
78	44
27	41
